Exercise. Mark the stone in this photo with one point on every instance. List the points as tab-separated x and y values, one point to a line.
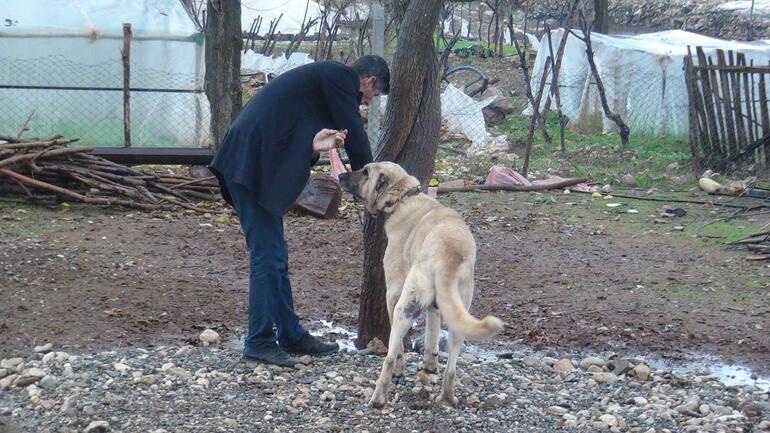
7	382
97	427
70	406
377	346
209	337
493	401
640	401
594	369
11	363
563	367
184	350
642	372
604	377
48	382
628	180
48	357
609	419
26	380
556	410
179	372
44	348
328	396
305	359
531	361
619	366
89	410
299	402
764	425
119	366
4	372
591	360
472	399
689	406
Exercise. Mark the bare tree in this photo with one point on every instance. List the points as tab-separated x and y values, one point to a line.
223	64
586	38
410	138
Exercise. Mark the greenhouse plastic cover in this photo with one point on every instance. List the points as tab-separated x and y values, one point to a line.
643	77
147	17
79	46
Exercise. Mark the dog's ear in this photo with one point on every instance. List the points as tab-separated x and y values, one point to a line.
382	183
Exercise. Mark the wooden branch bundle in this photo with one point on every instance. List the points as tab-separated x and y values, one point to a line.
37	167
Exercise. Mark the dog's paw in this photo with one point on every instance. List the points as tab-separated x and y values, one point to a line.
449	399
378	400
397	379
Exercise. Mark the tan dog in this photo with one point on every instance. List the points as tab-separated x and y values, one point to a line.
429	265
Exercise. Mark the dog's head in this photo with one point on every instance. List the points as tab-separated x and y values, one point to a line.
381	185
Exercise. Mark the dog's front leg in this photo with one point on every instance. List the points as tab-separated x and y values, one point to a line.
399	326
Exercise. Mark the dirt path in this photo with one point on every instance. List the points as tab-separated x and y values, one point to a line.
564	272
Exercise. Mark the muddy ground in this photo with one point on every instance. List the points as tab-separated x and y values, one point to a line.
564	271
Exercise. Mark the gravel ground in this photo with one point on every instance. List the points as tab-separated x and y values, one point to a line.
209	389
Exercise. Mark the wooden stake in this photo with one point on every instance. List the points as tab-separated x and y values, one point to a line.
126	56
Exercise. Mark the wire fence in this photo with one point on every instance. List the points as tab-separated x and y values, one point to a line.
60	96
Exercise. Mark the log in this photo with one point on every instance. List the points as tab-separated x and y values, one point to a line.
514	188
321	197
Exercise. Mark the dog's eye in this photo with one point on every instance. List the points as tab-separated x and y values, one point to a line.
365	172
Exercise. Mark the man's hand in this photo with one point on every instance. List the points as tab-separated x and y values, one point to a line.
327	139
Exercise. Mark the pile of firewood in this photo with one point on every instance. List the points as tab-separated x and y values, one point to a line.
45	169
758	243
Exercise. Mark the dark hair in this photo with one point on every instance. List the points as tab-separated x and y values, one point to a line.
374	66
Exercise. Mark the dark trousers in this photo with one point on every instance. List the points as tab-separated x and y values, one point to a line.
270	298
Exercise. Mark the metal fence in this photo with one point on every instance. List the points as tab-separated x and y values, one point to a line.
55	95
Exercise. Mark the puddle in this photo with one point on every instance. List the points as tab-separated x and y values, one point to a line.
700	364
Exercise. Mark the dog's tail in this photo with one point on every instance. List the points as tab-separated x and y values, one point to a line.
462	322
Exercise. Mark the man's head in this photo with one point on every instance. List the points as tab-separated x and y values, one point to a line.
373	75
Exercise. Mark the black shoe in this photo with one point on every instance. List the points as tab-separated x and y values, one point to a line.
270	354
309	345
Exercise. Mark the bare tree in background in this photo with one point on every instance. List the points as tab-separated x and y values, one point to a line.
410	138
222	81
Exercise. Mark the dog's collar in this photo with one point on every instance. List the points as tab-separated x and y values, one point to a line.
416	190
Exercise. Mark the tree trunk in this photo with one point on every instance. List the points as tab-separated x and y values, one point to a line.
601	18
223	65
410	138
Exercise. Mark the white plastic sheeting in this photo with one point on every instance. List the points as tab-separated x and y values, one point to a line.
78	47
254	62
643	77
761	7
463	114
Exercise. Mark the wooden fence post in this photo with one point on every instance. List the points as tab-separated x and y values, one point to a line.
125	53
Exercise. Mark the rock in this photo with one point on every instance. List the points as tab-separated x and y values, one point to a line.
208	337
704	409
48	382
629	179
690	406
11	363
472	399
642	372
422	377
70	406
179	372
594	369
604	377
305	359
591	360
89	410
556	410
33	391
44	348
764	425
48	357
640	401
119	366
493	401
299	402
26	380
609	419
97	427
531	361
619	367
4	372
7	382
328	396
563	367
672	167
377	346
606	189
184	350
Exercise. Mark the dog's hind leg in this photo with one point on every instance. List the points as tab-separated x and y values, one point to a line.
401	322
398	368
448	383
432	334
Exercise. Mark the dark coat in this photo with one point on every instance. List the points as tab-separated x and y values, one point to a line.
269	147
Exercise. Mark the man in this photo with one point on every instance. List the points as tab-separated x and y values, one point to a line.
263	164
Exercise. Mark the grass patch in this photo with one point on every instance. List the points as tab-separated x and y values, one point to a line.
600	156
440	45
